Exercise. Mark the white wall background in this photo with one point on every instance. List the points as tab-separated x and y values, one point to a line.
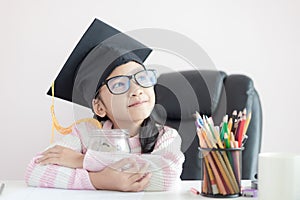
259	38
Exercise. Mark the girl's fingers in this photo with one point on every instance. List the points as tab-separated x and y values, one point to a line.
141	185
55	161
140	174
136	177
142	170
47	156
55	149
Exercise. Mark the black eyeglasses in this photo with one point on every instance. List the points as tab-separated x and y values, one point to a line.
121	84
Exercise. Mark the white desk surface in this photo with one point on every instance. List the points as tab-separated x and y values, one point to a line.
18	190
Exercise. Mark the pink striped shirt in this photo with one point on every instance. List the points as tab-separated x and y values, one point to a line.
165	161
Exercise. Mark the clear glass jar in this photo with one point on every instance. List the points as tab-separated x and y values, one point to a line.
111	140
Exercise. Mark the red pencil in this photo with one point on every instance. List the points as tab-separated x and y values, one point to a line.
241	131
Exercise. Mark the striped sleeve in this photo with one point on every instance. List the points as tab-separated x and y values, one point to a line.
55	176
165	162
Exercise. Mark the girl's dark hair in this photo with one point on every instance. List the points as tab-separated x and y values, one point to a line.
149	133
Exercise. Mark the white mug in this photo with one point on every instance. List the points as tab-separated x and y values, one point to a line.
279	176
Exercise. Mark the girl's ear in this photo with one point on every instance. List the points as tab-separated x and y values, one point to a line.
99	108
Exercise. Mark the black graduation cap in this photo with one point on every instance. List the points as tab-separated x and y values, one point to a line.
100	50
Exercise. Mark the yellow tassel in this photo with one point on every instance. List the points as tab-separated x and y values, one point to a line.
63	130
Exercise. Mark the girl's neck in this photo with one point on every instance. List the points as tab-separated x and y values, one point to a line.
132	127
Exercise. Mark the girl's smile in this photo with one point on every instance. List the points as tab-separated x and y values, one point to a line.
137	103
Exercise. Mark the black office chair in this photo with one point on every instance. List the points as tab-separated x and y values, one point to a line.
213	93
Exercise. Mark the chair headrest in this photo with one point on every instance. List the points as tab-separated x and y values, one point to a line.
180	94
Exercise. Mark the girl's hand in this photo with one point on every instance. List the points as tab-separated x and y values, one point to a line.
123	175
62	156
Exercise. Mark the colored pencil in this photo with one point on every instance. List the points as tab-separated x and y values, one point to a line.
205	182
194	191
247	123
240	131
221	168
213	167
214	187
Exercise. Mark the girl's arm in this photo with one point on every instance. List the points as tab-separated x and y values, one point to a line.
56	176
60	166
165	162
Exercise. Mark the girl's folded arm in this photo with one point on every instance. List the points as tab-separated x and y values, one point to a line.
165	162
56	176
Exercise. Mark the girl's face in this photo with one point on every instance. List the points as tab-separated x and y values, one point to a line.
135	105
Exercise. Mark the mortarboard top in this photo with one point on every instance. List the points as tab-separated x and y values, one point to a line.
100	50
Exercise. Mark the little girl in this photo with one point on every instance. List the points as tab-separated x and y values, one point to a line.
124	99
